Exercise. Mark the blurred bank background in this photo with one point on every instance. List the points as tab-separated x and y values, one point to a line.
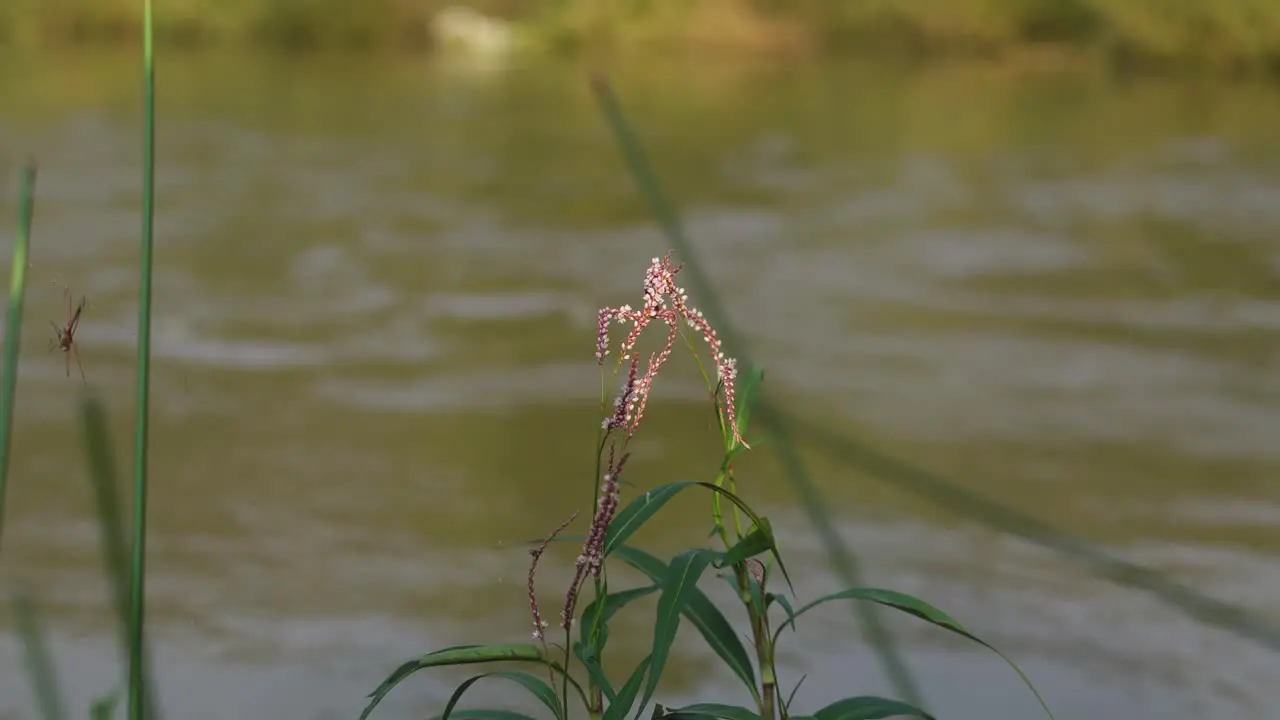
1012	266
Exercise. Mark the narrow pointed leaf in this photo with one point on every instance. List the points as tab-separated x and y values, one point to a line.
921	609
869	708
762	523
613	602
757	541
587	656
456	655
792	697
753	591
786	606
637	512
536	687
18	265
703	711
678	585
619	708
705	616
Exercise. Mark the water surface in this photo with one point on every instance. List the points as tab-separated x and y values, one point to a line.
376	292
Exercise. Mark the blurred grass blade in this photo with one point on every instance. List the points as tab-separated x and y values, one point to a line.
953	496
104	708
102	476
13	324
137	575
705	616
37	659
106	497
839	555
678	585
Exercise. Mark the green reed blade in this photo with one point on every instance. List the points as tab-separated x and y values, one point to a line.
111	525
13	324
841	557
137	575
102	475
37	659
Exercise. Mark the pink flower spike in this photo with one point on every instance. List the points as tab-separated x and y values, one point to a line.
665	302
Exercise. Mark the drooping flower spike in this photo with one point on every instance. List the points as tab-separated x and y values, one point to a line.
667	303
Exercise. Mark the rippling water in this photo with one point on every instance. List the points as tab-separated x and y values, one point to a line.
376	292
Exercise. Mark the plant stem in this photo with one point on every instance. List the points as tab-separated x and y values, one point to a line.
137	689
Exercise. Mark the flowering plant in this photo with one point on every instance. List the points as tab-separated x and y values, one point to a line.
675	581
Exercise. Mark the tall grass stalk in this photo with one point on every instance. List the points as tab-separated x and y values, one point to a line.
13	324
137	574
841	557
111	526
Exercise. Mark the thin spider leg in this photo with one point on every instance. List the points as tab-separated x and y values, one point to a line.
67	357
75	318
77	354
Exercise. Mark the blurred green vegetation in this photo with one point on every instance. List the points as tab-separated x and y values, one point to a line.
1233	35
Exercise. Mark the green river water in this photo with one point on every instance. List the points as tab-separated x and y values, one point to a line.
376	286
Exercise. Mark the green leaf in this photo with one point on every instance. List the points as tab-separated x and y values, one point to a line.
680	582
869	708
619	708
635	514
536	687
613	602
785	603
757	540
753	591
587	656
919	608
705	616
457	655
757	596
786	706
712	710
761	523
